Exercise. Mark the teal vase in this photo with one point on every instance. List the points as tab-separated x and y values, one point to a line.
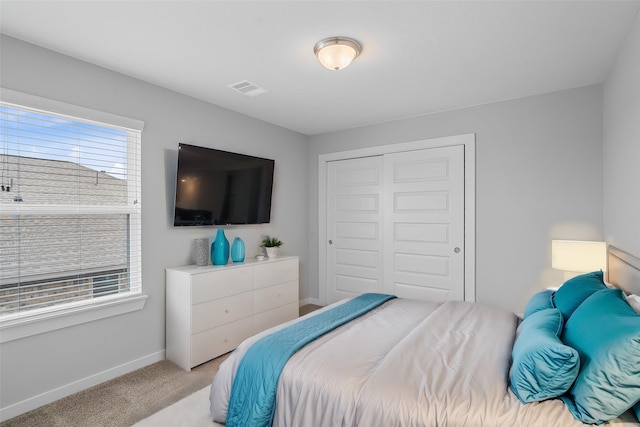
237	250
220	249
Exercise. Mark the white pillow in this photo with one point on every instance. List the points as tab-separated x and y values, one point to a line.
634	302
632	299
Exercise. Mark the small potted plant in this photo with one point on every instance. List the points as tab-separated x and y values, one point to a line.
271	244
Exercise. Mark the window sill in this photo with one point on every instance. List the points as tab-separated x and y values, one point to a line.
29	324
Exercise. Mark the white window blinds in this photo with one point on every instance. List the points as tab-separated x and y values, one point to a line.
69	209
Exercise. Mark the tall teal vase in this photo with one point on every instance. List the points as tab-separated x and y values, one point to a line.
237	250
220	249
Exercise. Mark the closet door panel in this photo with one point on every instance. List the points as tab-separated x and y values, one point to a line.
354	227
395	224
424	223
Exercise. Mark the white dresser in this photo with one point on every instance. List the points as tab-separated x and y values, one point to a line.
212	309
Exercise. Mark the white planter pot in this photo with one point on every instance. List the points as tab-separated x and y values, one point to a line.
272	252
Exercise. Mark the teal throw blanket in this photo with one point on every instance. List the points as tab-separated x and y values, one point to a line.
253	392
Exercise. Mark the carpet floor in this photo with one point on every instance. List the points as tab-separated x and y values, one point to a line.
125	400
122	401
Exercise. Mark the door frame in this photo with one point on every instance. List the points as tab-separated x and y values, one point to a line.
466	140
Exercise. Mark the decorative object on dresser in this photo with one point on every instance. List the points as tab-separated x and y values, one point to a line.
271	245
211	310
220	249
237	250
272	252
201	251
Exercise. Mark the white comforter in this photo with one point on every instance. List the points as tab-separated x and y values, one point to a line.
406	363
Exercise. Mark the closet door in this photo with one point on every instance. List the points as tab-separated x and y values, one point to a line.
354	227
424	224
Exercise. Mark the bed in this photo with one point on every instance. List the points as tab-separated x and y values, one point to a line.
418	363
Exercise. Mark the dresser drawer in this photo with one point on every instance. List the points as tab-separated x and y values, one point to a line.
270	318
274	272
211	314
274	296
210	344
220	284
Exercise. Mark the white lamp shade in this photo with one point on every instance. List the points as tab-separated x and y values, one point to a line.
336	53
578	256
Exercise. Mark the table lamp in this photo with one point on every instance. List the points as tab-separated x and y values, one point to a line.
575	257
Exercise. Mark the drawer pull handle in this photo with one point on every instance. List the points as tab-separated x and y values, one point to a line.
226	311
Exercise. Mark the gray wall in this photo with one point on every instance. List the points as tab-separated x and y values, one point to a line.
538	177
622	146
42	363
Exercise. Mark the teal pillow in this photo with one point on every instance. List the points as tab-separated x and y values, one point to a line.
636	409
543	367
605	331
540	301
574	291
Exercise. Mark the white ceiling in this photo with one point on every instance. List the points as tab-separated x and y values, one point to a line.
418	57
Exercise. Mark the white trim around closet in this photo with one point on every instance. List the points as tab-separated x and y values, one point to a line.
469	143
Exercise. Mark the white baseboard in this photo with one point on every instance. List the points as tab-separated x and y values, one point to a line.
77	386
314	301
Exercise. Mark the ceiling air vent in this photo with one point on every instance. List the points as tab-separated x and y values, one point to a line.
247	88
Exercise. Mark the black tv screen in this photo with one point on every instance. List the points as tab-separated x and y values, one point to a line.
215	187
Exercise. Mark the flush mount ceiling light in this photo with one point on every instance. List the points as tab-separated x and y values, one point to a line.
336	53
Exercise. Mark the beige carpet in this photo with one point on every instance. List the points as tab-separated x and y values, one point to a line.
125	400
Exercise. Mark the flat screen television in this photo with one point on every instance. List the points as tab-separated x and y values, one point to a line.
215	187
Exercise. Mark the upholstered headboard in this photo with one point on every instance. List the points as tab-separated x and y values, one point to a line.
623	270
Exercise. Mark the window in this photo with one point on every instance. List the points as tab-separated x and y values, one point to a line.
70	207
